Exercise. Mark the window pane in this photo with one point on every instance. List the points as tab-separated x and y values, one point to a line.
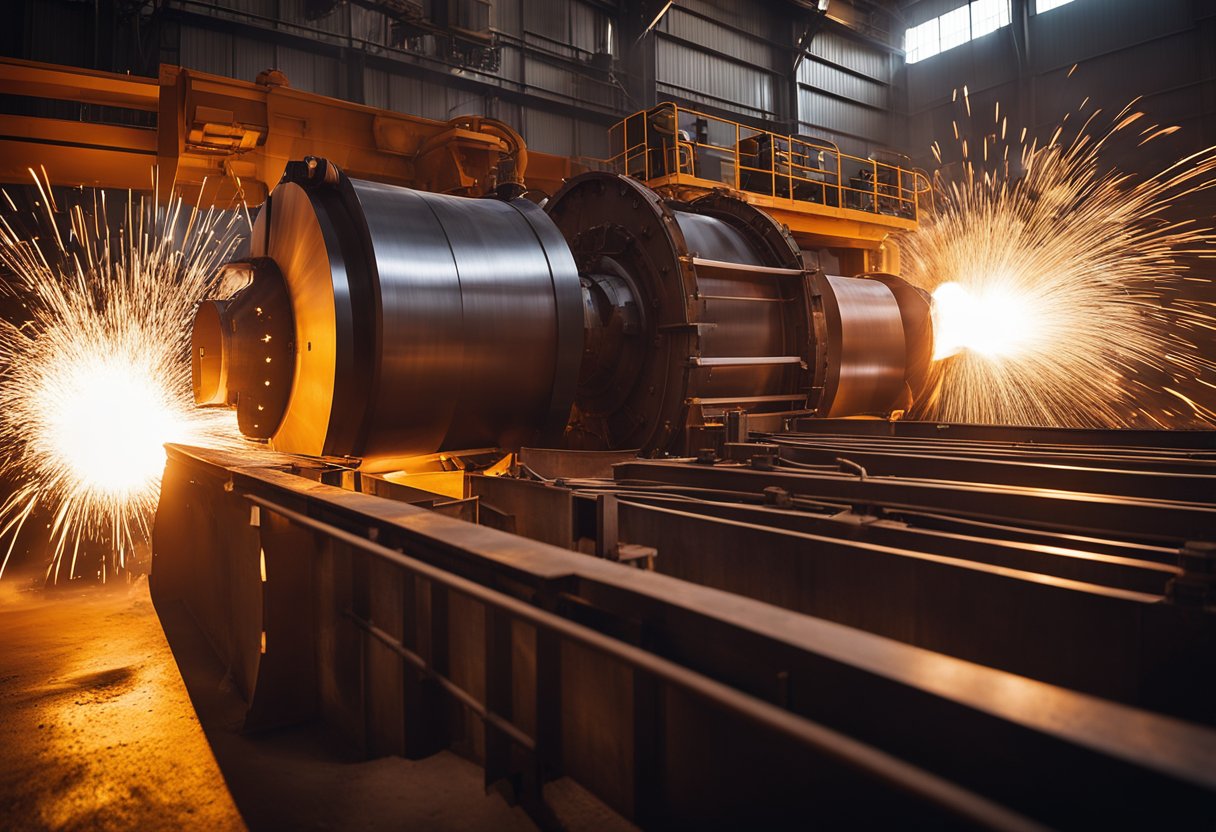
921	41
1041	6
956	28
988	16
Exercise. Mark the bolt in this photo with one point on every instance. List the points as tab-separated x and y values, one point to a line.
763	460
1196	585
776	496
1199	557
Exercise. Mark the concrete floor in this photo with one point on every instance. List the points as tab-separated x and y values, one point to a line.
97	731
303	779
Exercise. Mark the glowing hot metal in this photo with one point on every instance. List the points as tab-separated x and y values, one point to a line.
1056	288
993	321
96	376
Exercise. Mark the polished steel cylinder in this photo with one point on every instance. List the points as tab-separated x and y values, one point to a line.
423	322
379	322
865	347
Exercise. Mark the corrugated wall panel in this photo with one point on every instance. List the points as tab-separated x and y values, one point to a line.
375	89
404	94
368	25
594	91
756	17
829	79
441	102
236	56
847	144
235	9
504	16
250	57
852	54
548	76
206	51
1122	49
588	27
462	103
263	8
547	17
309	71
1088	28
926	10
700	75
63	34
548	132
829	113
715	38
510	63
421	98
1160	65
592	140
336	22
980	65
508	112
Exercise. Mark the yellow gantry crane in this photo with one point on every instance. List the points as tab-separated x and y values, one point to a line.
238	136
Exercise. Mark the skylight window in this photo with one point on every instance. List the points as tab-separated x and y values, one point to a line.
955	28
922	41
988	16
1041	6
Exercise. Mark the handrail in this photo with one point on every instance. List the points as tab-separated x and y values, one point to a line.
885	767
781	166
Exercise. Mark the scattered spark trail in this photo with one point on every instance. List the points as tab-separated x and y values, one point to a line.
1056	288
95	378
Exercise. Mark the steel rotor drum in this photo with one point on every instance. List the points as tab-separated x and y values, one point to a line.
295	231
866	349
464	322
713	239
747	313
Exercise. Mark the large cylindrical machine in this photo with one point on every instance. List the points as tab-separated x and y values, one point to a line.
379	322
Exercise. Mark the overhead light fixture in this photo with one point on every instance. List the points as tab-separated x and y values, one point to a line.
823	5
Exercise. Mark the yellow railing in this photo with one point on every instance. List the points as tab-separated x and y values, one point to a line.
683	146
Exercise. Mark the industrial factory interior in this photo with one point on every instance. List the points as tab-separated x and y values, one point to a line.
607	415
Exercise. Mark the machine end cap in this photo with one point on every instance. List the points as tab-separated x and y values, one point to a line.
210	354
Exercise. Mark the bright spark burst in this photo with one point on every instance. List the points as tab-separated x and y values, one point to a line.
995	321
1055	286
96	377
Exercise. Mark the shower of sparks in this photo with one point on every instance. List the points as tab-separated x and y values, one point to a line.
95	377
1055	285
